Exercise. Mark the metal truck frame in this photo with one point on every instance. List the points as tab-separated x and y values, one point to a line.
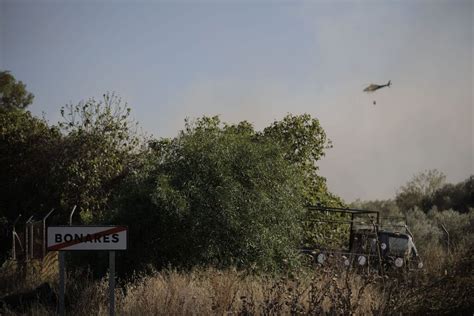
372	244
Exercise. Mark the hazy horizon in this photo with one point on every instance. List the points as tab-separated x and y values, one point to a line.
258	61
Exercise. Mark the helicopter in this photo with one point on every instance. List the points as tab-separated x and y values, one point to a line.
374	87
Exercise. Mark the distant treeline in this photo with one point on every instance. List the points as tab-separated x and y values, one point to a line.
428	189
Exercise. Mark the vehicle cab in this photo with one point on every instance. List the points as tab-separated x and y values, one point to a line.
398	249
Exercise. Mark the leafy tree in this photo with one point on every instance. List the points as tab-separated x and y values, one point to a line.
25	145
420	190
28	147
78	163
215	195
304	143
13	94
98	150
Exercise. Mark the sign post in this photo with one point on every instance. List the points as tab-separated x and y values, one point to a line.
112	283
77	238
61	283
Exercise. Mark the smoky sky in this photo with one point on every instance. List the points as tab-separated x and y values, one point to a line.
258	61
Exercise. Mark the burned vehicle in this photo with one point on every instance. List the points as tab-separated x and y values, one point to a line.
364	240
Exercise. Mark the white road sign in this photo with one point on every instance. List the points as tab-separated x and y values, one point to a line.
87	238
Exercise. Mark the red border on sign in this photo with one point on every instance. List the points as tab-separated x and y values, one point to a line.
92	236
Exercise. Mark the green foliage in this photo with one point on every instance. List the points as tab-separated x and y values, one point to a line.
302	137
326	230
99	149
42	168
304	141
28	147
13	94
216	194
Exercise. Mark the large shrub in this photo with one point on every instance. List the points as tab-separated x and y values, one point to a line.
216	194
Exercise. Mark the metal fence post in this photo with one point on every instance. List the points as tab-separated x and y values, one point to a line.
72	213
27	238
44	232
14	235
32	241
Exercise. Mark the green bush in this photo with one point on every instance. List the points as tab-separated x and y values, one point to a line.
215	195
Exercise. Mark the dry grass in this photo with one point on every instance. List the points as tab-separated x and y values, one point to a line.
444	287
229	293
16	278
209	291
